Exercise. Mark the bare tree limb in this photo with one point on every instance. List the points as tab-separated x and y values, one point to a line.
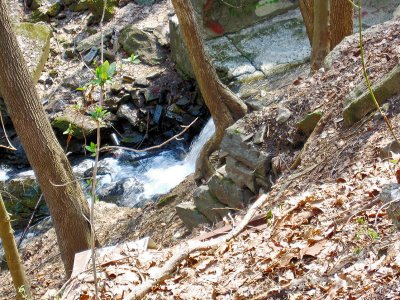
108	148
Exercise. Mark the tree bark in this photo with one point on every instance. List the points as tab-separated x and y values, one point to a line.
63	194
321	40
225	107
12	256
341	19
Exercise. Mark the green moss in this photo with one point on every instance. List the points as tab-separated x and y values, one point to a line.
96	8
54	9
166	200
39	15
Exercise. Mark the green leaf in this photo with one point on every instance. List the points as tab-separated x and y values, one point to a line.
91	148
372	233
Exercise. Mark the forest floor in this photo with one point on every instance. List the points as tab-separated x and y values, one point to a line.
326	235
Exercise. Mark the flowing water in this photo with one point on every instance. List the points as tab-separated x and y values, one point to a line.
150	176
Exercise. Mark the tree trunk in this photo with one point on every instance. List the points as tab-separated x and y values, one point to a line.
225	107
321	40
13	260
63	194
341	19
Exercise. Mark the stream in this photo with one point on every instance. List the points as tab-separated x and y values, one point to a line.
131	179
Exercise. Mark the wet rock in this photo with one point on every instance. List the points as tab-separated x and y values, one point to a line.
308	123
131	187
391	194
20	197
189	215
227	191
389	149
138	42
208	205
196	110
129	112
184	101
133	138
283	114
157	114
359	103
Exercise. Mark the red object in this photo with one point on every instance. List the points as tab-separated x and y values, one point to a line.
215	27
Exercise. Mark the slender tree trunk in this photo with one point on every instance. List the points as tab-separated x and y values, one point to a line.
63	194
321	40
225	107
341	19
12	256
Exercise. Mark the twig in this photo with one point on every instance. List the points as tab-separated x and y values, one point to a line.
107	148
30	221
11	147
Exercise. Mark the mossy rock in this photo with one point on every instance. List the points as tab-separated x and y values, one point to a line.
35	40
82	125
79	6
20	196
136	41
39	15
308	123
356	108
96	8
54	9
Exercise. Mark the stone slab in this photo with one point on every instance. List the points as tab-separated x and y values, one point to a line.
189	215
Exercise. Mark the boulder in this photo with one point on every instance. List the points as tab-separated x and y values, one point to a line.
227	191
241	175
219	18
20	197
35	40
308	123
94	40
189	215
129	112
80	5
359	102
207	204
252	52
138	42
82	125
237	146
96	8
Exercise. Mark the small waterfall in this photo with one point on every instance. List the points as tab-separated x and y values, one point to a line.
169	173
152	175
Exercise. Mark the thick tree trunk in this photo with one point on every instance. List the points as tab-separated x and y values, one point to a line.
321	40
225	107
63	194
341	19
12	256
